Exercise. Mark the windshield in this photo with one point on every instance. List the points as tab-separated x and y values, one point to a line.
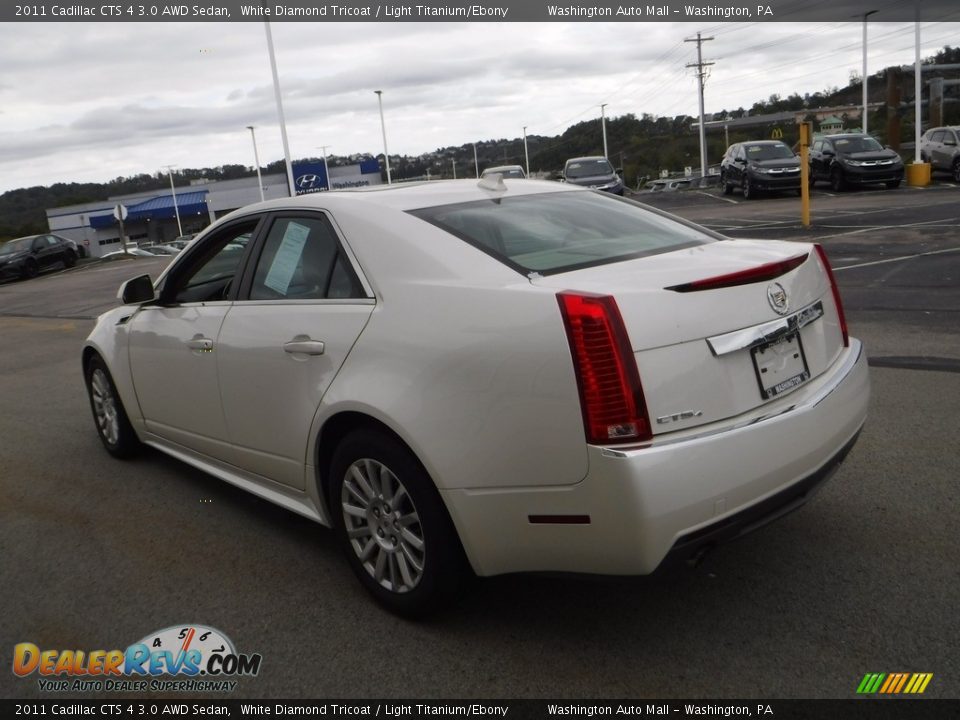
769	152
556	232
857	144
15	246
587	168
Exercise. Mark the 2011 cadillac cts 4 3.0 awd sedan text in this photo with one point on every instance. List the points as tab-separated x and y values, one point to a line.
488	376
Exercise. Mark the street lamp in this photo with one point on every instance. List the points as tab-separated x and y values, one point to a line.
603	123
173	193
256	159
326	170
383	129
283	122
454	161
526	154
865	16
476	165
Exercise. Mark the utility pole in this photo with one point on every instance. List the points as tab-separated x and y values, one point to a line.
603	124
701	76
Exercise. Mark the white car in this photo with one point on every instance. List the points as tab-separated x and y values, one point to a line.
489	376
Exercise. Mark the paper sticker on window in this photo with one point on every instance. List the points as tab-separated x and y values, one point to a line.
287	258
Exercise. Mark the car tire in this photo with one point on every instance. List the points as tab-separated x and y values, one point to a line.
30	269
727	187
838	182
113	426
69	258
893	184
748	192
956	170
392	525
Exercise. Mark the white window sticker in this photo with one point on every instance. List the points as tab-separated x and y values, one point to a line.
287	258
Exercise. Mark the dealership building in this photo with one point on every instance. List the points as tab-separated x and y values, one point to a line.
151	217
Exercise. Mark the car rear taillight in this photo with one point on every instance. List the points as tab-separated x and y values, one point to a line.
821	253
611	397
767	271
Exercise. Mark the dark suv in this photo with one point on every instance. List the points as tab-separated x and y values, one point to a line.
593	172
853	159
759	165
941	148
27	256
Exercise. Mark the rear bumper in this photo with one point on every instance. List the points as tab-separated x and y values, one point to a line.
638	506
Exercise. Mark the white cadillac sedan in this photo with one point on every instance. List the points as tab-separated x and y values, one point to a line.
488	375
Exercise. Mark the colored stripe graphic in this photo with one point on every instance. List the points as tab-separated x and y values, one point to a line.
894	683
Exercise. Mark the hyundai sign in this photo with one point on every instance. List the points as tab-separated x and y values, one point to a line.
311	177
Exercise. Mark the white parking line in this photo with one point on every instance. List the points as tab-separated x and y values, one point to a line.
897	259
717	197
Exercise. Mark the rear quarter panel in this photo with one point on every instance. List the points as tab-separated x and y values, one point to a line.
465	360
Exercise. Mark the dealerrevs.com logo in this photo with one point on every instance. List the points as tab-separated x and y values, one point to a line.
185	658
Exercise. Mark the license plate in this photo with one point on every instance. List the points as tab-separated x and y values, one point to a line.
781	365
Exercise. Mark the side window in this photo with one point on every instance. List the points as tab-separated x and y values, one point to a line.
302	260
937	137
948	136
209	275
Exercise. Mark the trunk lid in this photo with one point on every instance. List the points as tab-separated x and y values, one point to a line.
697	347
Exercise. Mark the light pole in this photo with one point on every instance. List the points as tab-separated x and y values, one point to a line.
173	193
256	159
383	129
476	165
454	161
526	154
283	122
326	169
603	123
865	16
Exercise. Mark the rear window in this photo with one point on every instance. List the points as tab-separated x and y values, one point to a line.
557	232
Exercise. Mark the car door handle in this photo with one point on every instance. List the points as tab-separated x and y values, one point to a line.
306	347
200	343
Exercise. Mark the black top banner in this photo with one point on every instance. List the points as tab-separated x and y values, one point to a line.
704	12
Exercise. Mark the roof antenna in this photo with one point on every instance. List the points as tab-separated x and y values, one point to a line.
493	181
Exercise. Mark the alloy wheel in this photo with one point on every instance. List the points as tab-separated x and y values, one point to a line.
104	407
383	526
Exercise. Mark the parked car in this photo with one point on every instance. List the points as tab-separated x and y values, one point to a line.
759	165
507	171
181	241
941	148
559	380
132	251
79	248
593	172
160	249
853	159
28	256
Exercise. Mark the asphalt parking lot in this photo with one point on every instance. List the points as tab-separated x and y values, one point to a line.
97	553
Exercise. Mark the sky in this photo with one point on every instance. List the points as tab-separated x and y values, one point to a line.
89	102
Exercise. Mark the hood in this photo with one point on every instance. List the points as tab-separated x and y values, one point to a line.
884	154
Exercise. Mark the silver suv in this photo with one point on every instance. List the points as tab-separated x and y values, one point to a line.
940	147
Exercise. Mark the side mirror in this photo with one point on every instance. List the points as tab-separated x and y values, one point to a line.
559	176
619	171
136	291
828	153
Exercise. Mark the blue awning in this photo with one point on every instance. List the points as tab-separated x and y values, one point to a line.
158	208
161	207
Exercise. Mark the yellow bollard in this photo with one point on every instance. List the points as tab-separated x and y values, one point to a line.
806	135
918	174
